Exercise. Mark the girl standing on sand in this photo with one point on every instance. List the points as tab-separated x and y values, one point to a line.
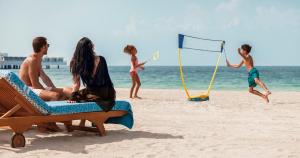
135	65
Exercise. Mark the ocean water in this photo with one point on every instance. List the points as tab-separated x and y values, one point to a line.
197	77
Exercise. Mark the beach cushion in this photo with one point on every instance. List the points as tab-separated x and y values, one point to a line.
24	90
63	107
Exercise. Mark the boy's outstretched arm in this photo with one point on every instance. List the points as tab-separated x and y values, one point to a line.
235	65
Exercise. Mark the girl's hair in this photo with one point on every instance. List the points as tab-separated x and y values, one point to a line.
82	63
129	48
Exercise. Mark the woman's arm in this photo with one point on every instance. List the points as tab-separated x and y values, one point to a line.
76	83
105	71
75	89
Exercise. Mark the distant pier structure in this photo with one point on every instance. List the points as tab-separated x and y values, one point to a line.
13	62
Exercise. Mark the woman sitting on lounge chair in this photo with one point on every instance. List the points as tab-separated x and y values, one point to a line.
92	71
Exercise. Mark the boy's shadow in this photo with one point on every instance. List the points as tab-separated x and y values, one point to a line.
76	142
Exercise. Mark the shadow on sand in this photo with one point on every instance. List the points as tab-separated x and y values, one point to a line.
76	142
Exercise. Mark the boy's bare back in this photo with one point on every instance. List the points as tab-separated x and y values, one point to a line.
248	61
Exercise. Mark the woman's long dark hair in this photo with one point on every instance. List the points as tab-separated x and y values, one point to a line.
82	63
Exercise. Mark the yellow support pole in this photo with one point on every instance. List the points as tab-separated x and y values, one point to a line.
214	75
181	74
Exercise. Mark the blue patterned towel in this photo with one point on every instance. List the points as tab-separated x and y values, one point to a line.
62	107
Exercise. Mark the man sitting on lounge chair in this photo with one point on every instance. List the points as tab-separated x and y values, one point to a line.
30	72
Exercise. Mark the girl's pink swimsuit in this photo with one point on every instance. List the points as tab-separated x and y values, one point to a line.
134	69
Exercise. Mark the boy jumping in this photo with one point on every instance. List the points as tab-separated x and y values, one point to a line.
253	74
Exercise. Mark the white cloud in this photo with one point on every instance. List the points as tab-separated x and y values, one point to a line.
193	18
270	17
229	6
230	16
233	23
130	29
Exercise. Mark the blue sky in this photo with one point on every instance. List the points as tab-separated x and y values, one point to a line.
271	27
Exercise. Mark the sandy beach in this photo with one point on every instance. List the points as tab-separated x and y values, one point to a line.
231	124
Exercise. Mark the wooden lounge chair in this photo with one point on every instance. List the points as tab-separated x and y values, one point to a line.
20	108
